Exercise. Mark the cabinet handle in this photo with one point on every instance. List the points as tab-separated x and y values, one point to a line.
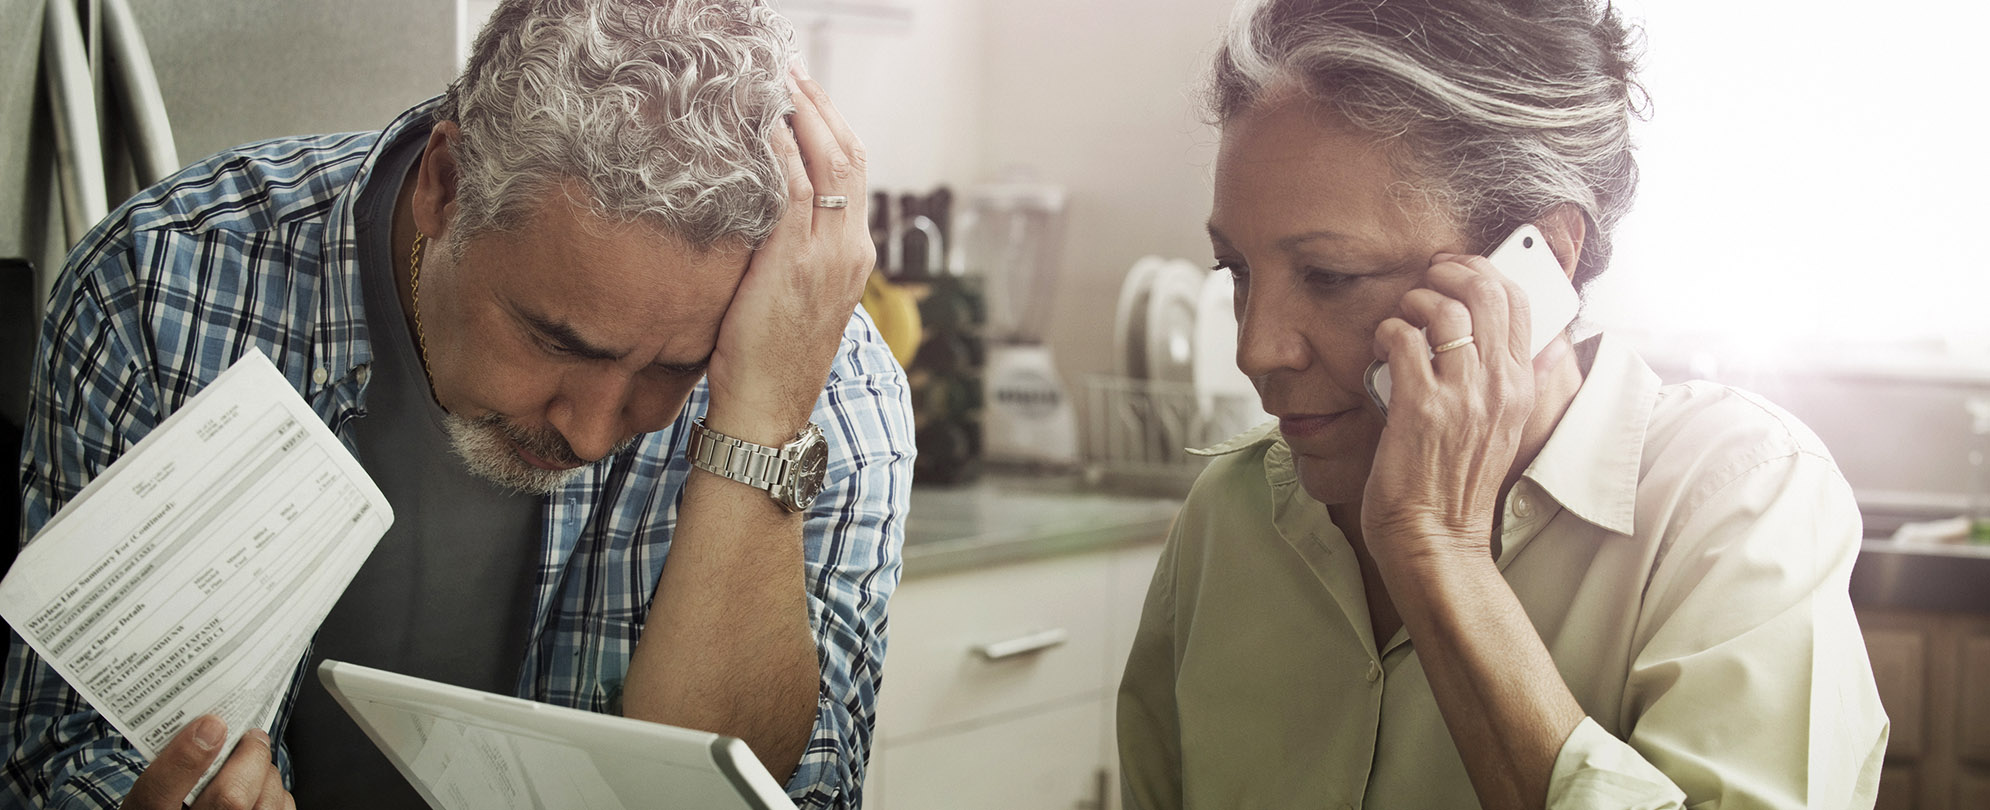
1023	645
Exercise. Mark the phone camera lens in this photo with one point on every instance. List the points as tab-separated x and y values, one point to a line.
1527	241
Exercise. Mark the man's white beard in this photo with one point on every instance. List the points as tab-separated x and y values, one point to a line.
484	449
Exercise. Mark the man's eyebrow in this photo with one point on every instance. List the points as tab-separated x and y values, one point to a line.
693	367
571	341
565	336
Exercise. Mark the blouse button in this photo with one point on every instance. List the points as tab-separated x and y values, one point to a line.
320	375
1374	671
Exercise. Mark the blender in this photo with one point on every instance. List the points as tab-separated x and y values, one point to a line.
1010	235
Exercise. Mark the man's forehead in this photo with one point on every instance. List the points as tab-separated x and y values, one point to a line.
619	287
568	223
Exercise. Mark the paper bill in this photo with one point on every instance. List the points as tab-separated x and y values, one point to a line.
189	577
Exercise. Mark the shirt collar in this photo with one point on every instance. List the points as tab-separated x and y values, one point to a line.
1267	432
1299	518
1590	464
342	347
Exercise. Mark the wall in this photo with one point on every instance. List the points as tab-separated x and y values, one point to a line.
30	214
233	71
1098	96
910	90
25	145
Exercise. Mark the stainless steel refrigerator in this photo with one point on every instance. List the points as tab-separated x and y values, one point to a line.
101	97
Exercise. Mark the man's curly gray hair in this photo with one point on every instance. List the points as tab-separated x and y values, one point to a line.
1501	109
660	109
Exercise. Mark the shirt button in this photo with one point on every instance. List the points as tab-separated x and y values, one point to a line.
1374	671
363	373
1523	507
320	375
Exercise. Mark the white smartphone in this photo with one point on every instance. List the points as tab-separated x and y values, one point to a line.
1551	299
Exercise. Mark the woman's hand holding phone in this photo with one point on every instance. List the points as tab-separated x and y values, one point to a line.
1456	424
1525	259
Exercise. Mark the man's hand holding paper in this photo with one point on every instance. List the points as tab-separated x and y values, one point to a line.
248	777
189	577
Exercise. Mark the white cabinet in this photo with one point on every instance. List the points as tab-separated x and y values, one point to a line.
1039	759
999	684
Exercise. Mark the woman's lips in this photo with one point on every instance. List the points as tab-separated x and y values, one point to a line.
1300	426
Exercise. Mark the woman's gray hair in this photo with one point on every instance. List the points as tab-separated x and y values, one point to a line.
660	109
1502	110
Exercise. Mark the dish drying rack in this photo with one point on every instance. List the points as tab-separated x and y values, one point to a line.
1138	431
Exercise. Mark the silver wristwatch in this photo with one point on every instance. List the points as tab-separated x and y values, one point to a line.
791	474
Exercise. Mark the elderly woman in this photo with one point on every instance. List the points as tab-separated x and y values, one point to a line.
1537	581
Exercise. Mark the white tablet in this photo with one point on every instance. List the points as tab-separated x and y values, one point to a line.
468	750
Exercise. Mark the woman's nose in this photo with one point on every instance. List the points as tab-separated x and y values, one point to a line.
1269	336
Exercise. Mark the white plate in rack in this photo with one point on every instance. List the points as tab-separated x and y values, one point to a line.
1171	310
1224	397
1129	342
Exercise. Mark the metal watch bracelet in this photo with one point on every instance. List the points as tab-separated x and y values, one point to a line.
791	481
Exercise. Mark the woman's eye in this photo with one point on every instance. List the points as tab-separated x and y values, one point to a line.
1237	271
1326	278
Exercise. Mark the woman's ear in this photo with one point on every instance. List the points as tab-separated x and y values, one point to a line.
1564	226
435	180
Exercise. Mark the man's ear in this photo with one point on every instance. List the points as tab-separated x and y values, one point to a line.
1564	226
435	180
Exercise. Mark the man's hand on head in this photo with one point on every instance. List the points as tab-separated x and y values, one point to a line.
782	331
249	780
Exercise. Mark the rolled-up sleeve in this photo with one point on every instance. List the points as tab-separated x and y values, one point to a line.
853	539
1750	686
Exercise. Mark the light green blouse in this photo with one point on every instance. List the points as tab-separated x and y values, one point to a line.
1682	550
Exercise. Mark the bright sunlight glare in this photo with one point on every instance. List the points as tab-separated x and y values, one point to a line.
1814	174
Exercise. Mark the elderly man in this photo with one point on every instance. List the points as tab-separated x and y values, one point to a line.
540	309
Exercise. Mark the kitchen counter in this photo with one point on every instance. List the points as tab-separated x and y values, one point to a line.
1947	578
1003	519
1008	519
1951	578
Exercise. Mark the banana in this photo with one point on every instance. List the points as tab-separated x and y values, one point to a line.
896	314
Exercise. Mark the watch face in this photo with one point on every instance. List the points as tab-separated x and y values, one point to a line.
808	471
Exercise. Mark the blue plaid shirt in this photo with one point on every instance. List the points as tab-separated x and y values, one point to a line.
255	248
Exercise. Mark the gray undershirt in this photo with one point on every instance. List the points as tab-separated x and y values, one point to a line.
447	593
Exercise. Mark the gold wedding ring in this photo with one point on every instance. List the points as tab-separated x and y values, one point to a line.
832	201
1451	344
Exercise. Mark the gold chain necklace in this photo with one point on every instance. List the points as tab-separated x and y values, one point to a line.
414	283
